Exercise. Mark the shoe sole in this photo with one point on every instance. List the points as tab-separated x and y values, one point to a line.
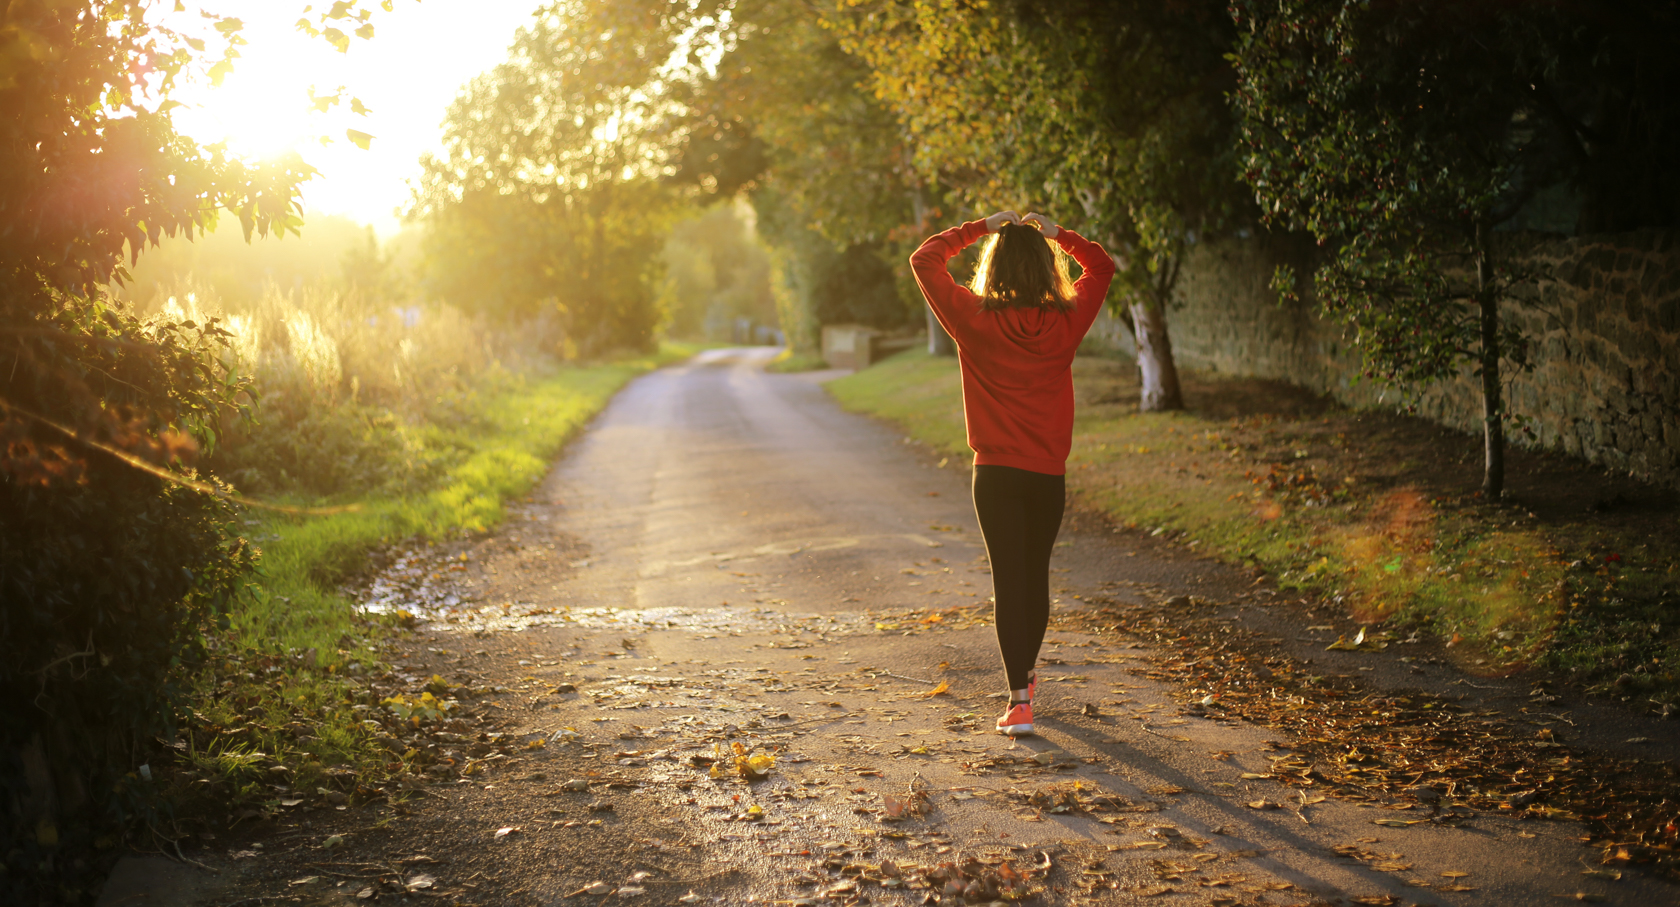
1015	730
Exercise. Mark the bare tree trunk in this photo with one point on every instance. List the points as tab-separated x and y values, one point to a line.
1146	318
1156	368
1493	404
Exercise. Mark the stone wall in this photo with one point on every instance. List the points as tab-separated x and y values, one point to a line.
1605	329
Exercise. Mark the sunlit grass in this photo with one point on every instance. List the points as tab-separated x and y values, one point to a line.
1503	588
293	649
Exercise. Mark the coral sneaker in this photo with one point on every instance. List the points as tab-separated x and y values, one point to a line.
1016	722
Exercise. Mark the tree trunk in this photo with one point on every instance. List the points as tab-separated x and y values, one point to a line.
1156	368
939	342
1493	404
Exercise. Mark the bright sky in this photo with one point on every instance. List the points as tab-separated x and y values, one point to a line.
420	56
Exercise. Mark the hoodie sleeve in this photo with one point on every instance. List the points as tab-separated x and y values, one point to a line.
953	304
1091	289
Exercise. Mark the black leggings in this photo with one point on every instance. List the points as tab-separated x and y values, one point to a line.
1020	513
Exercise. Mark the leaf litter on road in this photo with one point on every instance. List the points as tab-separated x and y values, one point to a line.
1402	749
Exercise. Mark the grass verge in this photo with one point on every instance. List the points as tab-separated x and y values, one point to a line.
1576	570
789	361
280	713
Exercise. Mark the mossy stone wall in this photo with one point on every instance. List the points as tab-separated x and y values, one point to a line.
1604	327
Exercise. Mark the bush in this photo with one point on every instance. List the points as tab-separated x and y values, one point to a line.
107	573
352	398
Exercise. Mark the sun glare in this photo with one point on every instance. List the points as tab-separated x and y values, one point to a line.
261	108
406	76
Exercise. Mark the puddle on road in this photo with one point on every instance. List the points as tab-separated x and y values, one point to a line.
421	584
707	622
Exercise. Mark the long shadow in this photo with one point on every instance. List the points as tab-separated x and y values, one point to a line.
1233	817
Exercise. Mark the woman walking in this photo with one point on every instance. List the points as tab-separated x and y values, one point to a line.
1016	330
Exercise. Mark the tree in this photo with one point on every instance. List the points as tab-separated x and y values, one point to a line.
1109	115
716	270
1402	135
554	186
782	115
113	555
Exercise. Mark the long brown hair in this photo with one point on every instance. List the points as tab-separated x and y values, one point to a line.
1019	268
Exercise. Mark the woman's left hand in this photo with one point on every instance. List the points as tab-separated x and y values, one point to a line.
996	221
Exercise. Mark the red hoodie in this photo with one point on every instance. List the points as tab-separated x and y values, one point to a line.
1016	363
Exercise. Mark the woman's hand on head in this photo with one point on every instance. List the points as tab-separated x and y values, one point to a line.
1044	225
996	221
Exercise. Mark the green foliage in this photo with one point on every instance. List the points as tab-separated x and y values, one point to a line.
784	96
551	196
782	114
109	570
1108	115
1392	174
716	270
1399	136
858	287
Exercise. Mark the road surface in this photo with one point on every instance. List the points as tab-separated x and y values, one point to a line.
726	557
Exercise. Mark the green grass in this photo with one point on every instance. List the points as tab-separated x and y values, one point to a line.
1505	588
922	393
292	649
789	361
506	451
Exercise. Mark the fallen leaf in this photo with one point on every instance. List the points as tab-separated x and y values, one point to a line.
508	830
419	882
940	690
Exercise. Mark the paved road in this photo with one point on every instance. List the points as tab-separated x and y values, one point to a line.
717	482
727	557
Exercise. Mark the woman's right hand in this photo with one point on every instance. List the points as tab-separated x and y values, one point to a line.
996	221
